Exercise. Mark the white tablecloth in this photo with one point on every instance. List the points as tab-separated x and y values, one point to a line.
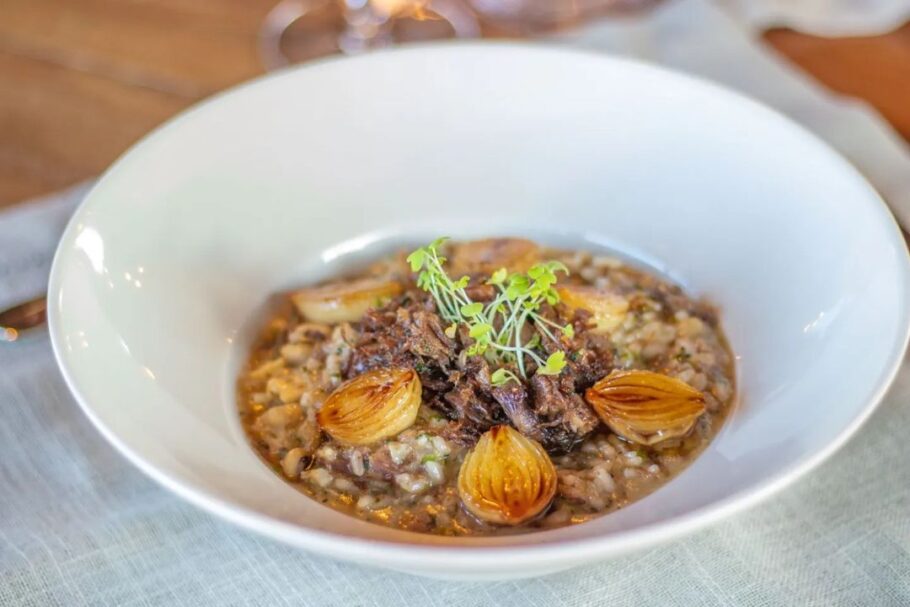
80	526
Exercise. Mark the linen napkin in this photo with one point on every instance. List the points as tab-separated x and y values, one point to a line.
80	526
824	17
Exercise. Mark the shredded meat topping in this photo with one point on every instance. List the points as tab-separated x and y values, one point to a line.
405	333
408	332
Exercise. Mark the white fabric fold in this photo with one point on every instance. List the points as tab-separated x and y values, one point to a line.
829	18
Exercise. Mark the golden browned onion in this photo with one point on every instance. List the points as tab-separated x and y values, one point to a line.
646	407
372	406
608	309
488	255
344	301
506	478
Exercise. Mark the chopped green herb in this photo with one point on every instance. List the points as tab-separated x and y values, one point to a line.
432	457
683	355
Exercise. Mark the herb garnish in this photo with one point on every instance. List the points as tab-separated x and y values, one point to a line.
497	326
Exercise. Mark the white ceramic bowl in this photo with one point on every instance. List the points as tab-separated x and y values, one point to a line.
163	270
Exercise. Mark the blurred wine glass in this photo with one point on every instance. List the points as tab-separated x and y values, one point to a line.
296	30
353	26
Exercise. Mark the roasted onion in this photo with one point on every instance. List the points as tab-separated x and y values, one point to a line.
608	310
488	255
343	301
507	478
646	407
372	406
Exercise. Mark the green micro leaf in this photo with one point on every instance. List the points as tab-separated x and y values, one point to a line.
501	377
537	271
498	277
479	330
416	259
554	365
472	309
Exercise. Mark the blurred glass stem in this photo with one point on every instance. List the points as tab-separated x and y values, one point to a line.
367	25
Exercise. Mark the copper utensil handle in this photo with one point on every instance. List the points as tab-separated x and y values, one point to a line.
20	320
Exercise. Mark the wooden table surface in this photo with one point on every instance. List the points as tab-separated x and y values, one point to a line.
80	80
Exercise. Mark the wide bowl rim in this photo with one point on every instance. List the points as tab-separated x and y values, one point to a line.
400	555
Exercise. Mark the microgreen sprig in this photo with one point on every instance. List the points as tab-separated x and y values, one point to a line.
497	327
450	295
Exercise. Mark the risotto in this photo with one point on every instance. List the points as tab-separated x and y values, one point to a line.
486	387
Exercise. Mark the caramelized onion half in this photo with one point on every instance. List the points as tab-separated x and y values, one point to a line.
488	255
608	310
646	407
372	406
344	301
507	478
